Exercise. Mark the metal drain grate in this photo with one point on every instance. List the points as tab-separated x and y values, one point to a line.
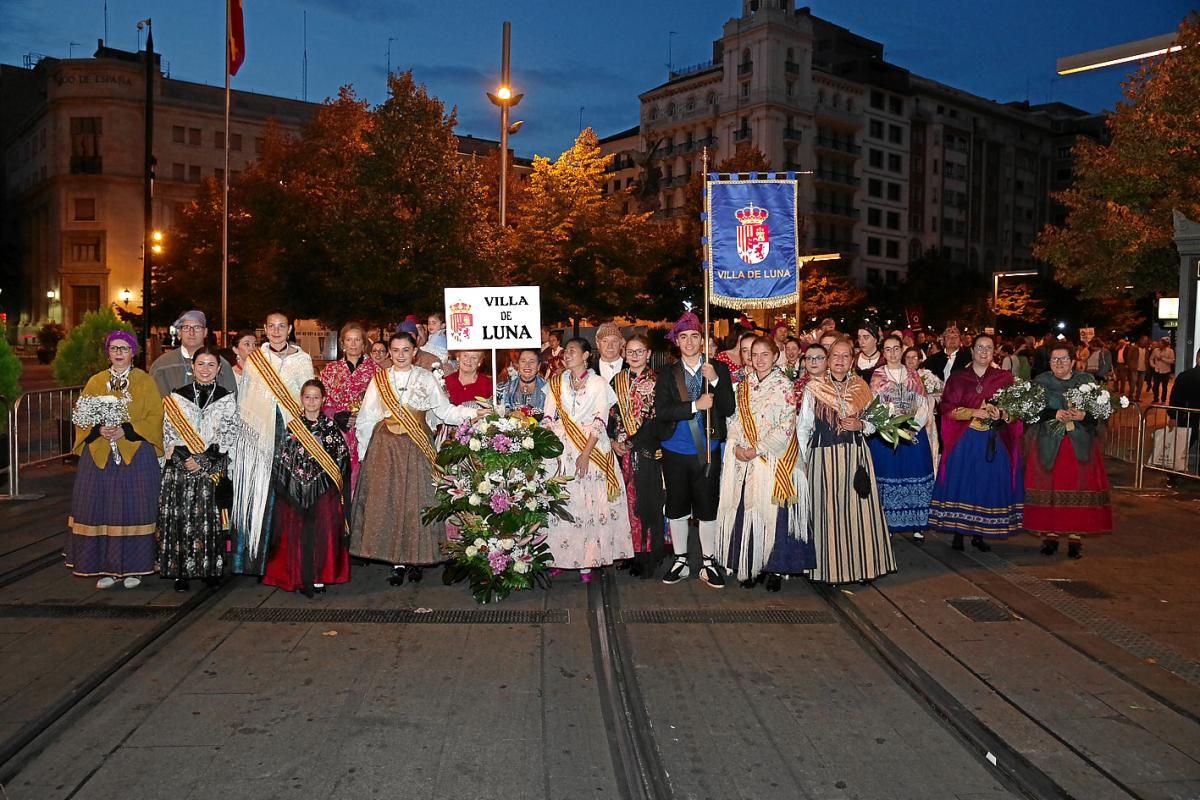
1084	589
86	612
764	616
981	609
399	616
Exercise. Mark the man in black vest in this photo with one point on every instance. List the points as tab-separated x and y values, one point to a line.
692	400
952	358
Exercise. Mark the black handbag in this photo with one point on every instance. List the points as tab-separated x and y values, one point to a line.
862	478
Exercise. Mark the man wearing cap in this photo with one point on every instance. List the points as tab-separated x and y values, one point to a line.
173	368
692	400
611	344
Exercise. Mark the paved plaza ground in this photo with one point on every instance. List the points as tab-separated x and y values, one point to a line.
964	675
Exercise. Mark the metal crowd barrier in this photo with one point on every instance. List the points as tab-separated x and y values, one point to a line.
1169	442
1122	434
39	430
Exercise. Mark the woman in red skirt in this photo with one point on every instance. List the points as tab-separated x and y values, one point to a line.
312	548
1066	488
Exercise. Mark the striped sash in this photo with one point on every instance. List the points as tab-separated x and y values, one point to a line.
296	424
603	460
625	402
412	422
785	490
191	437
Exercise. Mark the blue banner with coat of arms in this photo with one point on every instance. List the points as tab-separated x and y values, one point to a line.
753	241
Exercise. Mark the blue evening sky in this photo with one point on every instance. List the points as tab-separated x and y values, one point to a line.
598	55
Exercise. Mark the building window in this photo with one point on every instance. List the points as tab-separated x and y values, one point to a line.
874	217
653	115
84	249
791	88
745	89
873	246
194	174
872	275
894	192
875	158
84	300
711	99
691	102
219	175
218	140
821	96
876	99
178	172
178	134
893	249
194	137
895	164
235	142
874	187
896	106
876	129
670	109
895	134
893	220
85	146
85	209
914	223
893	277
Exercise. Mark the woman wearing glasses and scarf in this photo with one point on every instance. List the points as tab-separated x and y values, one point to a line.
115	502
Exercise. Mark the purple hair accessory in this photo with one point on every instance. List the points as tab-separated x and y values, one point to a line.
123	336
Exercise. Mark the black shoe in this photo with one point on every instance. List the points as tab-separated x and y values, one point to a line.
397	576
414	574
1049	547
181	585
678	571
774	582
633	566
749	583
711	574
918	538
1075	550
319	589
625	563
979	544
957	544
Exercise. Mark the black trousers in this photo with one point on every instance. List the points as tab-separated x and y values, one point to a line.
690	491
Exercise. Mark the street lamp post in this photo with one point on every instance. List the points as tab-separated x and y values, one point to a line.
505	99
148	243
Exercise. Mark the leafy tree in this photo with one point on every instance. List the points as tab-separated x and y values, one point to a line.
82	355
10	380
826	293
1118	230
1021	303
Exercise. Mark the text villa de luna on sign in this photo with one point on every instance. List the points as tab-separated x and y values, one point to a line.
493	317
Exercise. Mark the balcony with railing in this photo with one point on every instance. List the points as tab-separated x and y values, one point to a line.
836	210
745	68
838	145
743	134
792	134
843	178
791	68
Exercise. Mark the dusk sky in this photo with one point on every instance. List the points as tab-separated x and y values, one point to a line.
596	55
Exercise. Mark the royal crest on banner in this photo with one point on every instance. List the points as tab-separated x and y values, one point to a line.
460	321
750	263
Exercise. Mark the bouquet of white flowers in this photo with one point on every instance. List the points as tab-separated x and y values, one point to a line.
1093	399
890	425
933	384
1021	400
103	410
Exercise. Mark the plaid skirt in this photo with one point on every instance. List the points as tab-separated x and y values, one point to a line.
113	515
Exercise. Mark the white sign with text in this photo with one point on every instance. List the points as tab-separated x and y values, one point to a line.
493	317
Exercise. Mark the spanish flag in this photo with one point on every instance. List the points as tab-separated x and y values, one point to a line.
236	34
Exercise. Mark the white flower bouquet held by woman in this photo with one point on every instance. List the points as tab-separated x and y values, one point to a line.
890	425
1021	400
103	410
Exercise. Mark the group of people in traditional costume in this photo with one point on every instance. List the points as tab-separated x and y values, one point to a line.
250	464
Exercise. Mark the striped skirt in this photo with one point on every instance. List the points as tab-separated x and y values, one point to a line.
849	533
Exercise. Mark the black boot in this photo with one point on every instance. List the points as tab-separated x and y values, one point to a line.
397	576
414	574
1075	550
979	544
1049	547
181	584
774	582
747	584
957	544
633	566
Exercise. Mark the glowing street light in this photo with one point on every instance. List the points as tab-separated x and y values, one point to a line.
157	242
505	99
126	296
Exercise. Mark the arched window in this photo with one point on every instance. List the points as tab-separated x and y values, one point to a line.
691	102
671	109
711	99
653	115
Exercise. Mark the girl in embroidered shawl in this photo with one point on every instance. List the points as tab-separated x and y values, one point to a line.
1066	488
577	410
904	472
762	517
978	488
311	538
850	533
346	381
635	438
195	485
400	409
114	504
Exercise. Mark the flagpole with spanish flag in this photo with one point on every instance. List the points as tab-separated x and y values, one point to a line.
235	54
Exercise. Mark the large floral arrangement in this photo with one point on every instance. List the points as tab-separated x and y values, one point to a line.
1091	399
891	425
495	487
1021	400
104	410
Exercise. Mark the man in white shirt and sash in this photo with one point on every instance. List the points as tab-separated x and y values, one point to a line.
271	385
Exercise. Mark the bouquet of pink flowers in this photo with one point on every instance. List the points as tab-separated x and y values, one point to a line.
495	487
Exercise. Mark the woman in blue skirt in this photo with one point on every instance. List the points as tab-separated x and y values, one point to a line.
979	489
903	473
